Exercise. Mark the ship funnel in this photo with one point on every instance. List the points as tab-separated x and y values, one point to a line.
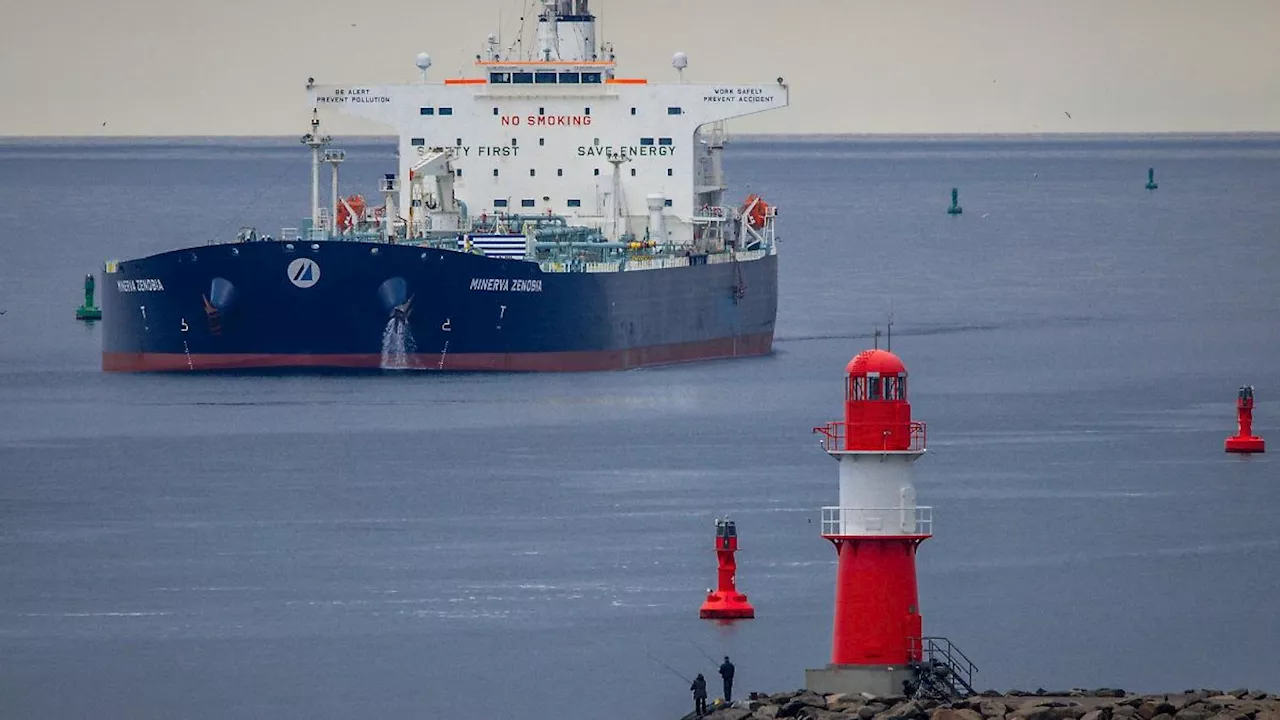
656	203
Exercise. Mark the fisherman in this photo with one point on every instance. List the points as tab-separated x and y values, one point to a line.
699	688
726	672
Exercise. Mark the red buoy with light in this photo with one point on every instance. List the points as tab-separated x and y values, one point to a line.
877	527
725	602
1244	441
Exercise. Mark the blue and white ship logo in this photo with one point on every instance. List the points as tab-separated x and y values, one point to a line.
304	272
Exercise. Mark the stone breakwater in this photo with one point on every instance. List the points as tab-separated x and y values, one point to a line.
1105	704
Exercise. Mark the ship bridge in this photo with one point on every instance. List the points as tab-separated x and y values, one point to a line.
558	132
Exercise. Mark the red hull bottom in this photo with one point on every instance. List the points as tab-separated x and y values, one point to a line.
726	606
569	361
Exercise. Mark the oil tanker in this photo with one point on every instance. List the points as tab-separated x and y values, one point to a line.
545	214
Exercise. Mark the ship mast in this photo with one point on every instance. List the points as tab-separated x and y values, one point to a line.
316	142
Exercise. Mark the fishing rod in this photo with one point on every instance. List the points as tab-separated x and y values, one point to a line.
668	667
704	652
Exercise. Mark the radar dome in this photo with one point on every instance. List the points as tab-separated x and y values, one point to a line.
679	61
423	61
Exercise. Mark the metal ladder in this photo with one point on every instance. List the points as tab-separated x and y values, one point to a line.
943	672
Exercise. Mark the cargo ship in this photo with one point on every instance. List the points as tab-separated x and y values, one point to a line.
545	214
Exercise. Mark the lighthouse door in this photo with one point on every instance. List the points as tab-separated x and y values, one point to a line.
907	509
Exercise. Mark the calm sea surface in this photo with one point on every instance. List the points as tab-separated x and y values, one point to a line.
525	546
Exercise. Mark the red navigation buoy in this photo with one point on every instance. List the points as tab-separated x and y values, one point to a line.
726	603
877	632
1244	441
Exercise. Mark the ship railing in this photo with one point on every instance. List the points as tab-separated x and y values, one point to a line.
835	432
846	521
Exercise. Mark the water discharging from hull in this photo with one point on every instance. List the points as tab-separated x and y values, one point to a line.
397	345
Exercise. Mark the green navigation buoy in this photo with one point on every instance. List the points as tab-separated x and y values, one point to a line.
955	208
88	311
1151	179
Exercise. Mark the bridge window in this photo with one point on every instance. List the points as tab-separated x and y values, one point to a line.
495	111
597	171
495	172
513	142
446	111
499	77
559	172
574	203
669	173
542	111
586	111
646	141
532	172
633	111
457	173
664	141
674	111
542	141
591	77
569	78
526	203
543	76
457	141
633	172
667	202
500	202
426	111
523	78
418	142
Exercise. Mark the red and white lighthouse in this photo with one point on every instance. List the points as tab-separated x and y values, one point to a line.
876	530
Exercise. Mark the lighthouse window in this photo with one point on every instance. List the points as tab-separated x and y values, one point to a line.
426	111
674	111
664	141
873	388
569	78
500	202
418	142
522	77
574	203
591	77
526	203
646	141
499	77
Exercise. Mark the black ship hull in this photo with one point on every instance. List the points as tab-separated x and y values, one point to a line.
348	304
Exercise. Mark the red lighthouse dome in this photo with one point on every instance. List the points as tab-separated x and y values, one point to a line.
877	415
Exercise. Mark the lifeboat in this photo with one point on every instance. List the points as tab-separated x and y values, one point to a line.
755	209
350	213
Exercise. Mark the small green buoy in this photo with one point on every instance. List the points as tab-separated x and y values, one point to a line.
955	208
88	311
1151	179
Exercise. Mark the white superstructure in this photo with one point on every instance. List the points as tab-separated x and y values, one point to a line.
558	133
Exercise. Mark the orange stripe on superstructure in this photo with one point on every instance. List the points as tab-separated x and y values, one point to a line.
544	62
465	81
627	81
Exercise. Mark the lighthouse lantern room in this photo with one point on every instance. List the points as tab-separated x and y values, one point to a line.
877	634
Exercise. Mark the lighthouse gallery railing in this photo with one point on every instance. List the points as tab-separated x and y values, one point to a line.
877	521
833	434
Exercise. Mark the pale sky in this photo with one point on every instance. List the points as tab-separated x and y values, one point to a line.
238	67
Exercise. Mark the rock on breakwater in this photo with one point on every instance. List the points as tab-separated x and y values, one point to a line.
1102	704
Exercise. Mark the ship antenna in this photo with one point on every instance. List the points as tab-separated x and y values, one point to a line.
876	335
889	338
